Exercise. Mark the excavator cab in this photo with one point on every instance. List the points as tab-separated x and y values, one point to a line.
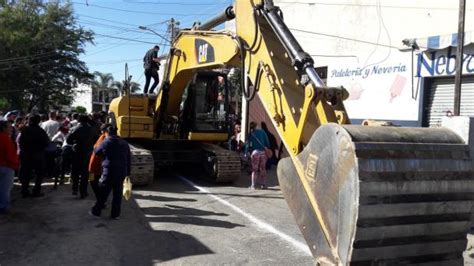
204	109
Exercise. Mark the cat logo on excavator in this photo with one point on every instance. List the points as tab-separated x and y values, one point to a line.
311	166
204	51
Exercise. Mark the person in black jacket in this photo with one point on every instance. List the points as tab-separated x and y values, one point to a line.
151	64
82	139
115	167
33	142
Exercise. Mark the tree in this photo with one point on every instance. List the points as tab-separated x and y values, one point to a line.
103	86
81	109
134	86
3	103
40	44
235	87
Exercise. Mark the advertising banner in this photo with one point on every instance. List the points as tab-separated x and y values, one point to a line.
381	91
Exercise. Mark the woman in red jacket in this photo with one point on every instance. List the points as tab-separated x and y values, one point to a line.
9	162
95	162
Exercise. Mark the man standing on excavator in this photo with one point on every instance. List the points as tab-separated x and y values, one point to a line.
151	64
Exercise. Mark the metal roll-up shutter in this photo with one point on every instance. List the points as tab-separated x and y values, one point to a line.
441	99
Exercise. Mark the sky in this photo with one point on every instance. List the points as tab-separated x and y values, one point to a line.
118	40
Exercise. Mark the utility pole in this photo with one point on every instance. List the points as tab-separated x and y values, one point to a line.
173	28
459	58
104	107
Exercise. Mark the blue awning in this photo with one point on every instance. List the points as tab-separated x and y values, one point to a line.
442	41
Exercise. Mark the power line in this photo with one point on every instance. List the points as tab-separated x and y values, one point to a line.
369	5
145	38
122	30
126	39
344	38
11	67
95	23
136	11
135	36
135	39
112	62
171	3
158	23
117	43
108	20
27	57
98	24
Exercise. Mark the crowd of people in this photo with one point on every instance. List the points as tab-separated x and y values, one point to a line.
37	146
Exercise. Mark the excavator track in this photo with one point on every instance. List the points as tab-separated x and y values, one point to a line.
142	165
223	165
382	195
220	165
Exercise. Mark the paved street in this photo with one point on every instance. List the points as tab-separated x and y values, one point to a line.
179	220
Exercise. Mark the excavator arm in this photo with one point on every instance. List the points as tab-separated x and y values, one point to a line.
284	76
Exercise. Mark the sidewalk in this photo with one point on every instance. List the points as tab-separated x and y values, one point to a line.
57	230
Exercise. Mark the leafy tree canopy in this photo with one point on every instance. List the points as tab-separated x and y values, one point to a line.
81	109
134	86
40	44
235	82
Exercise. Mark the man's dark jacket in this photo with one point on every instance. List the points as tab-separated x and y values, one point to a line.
82	139
116	162
33	140
148	62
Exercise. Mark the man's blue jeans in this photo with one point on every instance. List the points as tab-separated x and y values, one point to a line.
6	185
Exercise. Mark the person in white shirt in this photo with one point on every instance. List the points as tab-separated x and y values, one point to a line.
51	126
74	122
60	137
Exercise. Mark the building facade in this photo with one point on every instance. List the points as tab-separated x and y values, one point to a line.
101	98
359	45
83	97
93	99
396	58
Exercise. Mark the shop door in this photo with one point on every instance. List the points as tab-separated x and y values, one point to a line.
441	99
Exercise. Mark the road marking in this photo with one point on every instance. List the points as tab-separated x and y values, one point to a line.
261	224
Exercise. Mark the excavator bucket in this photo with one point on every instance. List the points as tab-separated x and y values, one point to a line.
381	195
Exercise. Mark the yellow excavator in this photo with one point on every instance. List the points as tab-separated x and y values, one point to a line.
361	195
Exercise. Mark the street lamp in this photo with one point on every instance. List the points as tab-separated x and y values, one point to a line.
148	29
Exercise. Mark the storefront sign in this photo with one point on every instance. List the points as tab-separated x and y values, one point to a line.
381	91
368	71
442	63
